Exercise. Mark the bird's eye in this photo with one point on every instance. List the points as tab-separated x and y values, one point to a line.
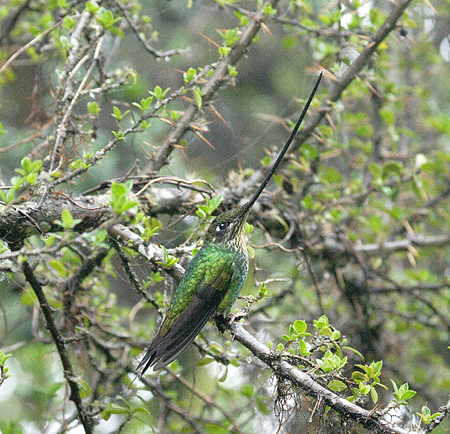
221	227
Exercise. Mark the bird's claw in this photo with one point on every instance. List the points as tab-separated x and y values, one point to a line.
242	313
223	322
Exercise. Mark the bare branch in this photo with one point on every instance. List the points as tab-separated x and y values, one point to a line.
83	413
217	79
141	38
30	44
151	252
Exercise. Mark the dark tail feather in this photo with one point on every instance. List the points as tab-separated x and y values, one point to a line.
164	349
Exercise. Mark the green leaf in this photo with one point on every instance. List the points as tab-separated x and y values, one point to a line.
58	267
300	326
66	218
303	347
261	406
388	116
205	361
92	7
235	362
247	390
224	51
364	388
325	331
353	351
168	260
189	75
224	376
113	408
321	322
251	251
337	385
118	114
232	71
28	298
198	97
377	17
67	221
373	395
214	202
230	36
440	123
85	389
359	377
119	200
269	10
407	394
107	20
93	108
335	335
4	358
158	93
145	103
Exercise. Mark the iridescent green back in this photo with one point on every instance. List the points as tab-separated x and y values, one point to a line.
212	259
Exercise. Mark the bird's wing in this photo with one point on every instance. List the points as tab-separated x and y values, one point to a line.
181	326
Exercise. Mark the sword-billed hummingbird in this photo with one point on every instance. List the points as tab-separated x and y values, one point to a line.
213	279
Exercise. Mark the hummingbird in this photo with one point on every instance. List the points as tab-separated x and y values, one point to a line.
213	279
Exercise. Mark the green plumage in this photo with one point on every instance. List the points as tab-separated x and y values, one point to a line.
211	283
213	279
216	266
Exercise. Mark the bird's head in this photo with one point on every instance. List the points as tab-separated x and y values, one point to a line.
228	227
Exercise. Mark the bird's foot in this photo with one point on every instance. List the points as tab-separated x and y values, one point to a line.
223	322
232	317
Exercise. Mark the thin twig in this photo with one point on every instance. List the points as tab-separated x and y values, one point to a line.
30	44
62	126
132	276
141	38
213	83
207	400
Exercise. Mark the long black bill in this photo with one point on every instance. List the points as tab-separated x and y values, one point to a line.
253	199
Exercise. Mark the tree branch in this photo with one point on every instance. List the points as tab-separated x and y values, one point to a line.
84	415
139	35
353	70
20	221
209	90
369	419
337	87
445	412
150	251
334	246
366	418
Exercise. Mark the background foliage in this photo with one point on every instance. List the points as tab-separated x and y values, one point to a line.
126	125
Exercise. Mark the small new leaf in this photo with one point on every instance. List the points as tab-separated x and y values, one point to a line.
93	108
118	114
67	221
119	200
168	260
198	97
